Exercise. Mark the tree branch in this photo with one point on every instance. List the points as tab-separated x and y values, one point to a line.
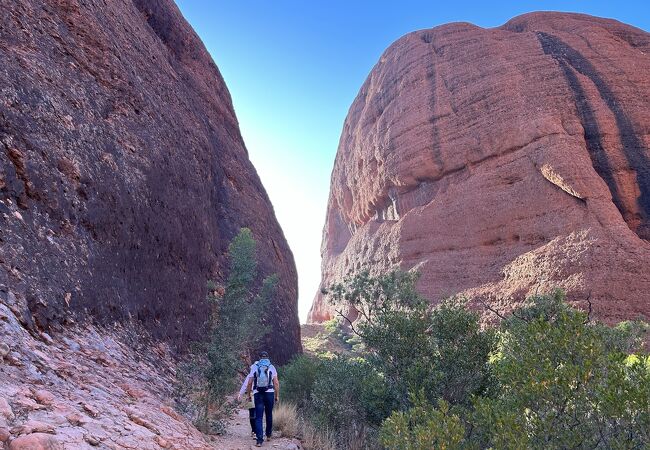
489	308
354	330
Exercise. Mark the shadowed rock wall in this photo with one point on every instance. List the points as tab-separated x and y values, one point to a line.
123	174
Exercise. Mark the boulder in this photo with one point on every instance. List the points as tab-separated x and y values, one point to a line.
6	412
33	426
4	350
36	441
499	163
44	397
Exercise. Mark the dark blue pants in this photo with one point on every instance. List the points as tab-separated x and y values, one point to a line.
251	417
264	405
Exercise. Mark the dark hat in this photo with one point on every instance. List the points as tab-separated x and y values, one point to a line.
264	355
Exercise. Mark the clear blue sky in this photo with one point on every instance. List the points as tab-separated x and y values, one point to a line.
294	67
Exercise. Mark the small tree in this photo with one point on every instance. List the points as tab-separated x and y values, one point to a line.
441	350
235	329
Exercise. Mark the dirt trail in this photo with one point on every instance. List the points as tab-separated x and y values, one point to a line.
238	436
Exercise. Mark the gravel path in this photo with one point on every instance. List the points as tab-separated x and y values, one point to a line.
239	437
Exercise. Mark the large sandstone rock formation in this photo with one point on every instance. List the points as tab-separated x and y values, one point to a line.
500	162
89	387
123	174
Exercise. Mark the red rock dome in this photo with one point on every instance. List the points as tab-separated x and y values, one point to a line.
499	162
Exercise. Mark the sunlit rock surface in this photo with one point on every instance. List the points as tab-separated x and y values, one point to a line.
501	162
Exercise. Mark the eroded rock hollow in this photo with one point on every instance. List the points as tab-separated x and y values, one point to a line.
123	174
501	162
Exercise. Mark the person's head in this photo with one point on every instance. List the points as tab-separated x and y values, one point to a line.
264	355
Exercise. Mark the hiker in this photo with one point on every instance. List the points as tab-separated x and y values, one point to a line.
263	382
249	399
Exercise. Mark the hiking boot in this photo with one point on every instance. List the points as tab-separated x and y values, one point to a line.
258	444
253	435
268	438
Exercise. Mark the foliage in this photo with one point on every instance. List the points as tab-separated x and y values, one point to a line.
548	377
337	330
298	379
350	393
423	427
565	383
347	396
442	351
235	329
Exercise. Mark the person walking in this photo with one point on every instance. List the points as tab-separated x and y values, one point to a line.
263	382
249	399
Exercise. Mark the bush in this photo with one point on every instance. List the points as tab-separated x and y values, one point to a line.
298	380
548	377
565	383
350	393
442	351
352	398
345	395
560	382
423	427
336	330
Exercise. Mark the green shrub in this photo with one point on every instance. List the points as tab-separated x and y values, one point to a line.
548	377
346	396
442	351
350	392
565	383
298	380
423	427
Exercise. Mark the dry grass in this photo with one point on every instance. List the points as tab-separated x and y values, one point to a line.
313	439
285	419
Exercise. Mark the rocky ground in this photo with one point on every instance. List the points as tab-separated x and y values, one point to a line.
96	388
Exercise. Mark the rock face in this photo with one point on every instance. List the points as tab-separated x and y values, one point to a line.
123	173
90	387
499	162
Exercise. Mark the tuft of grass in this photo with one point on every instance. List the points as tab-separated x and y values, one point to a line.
315	439
285	419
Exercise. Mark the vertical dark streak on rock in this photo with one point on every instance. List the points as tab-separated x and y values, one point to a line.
569	60
431	78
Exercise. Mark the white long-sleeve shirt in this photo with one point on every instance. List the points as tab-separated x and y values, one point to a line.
244	385
251	374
